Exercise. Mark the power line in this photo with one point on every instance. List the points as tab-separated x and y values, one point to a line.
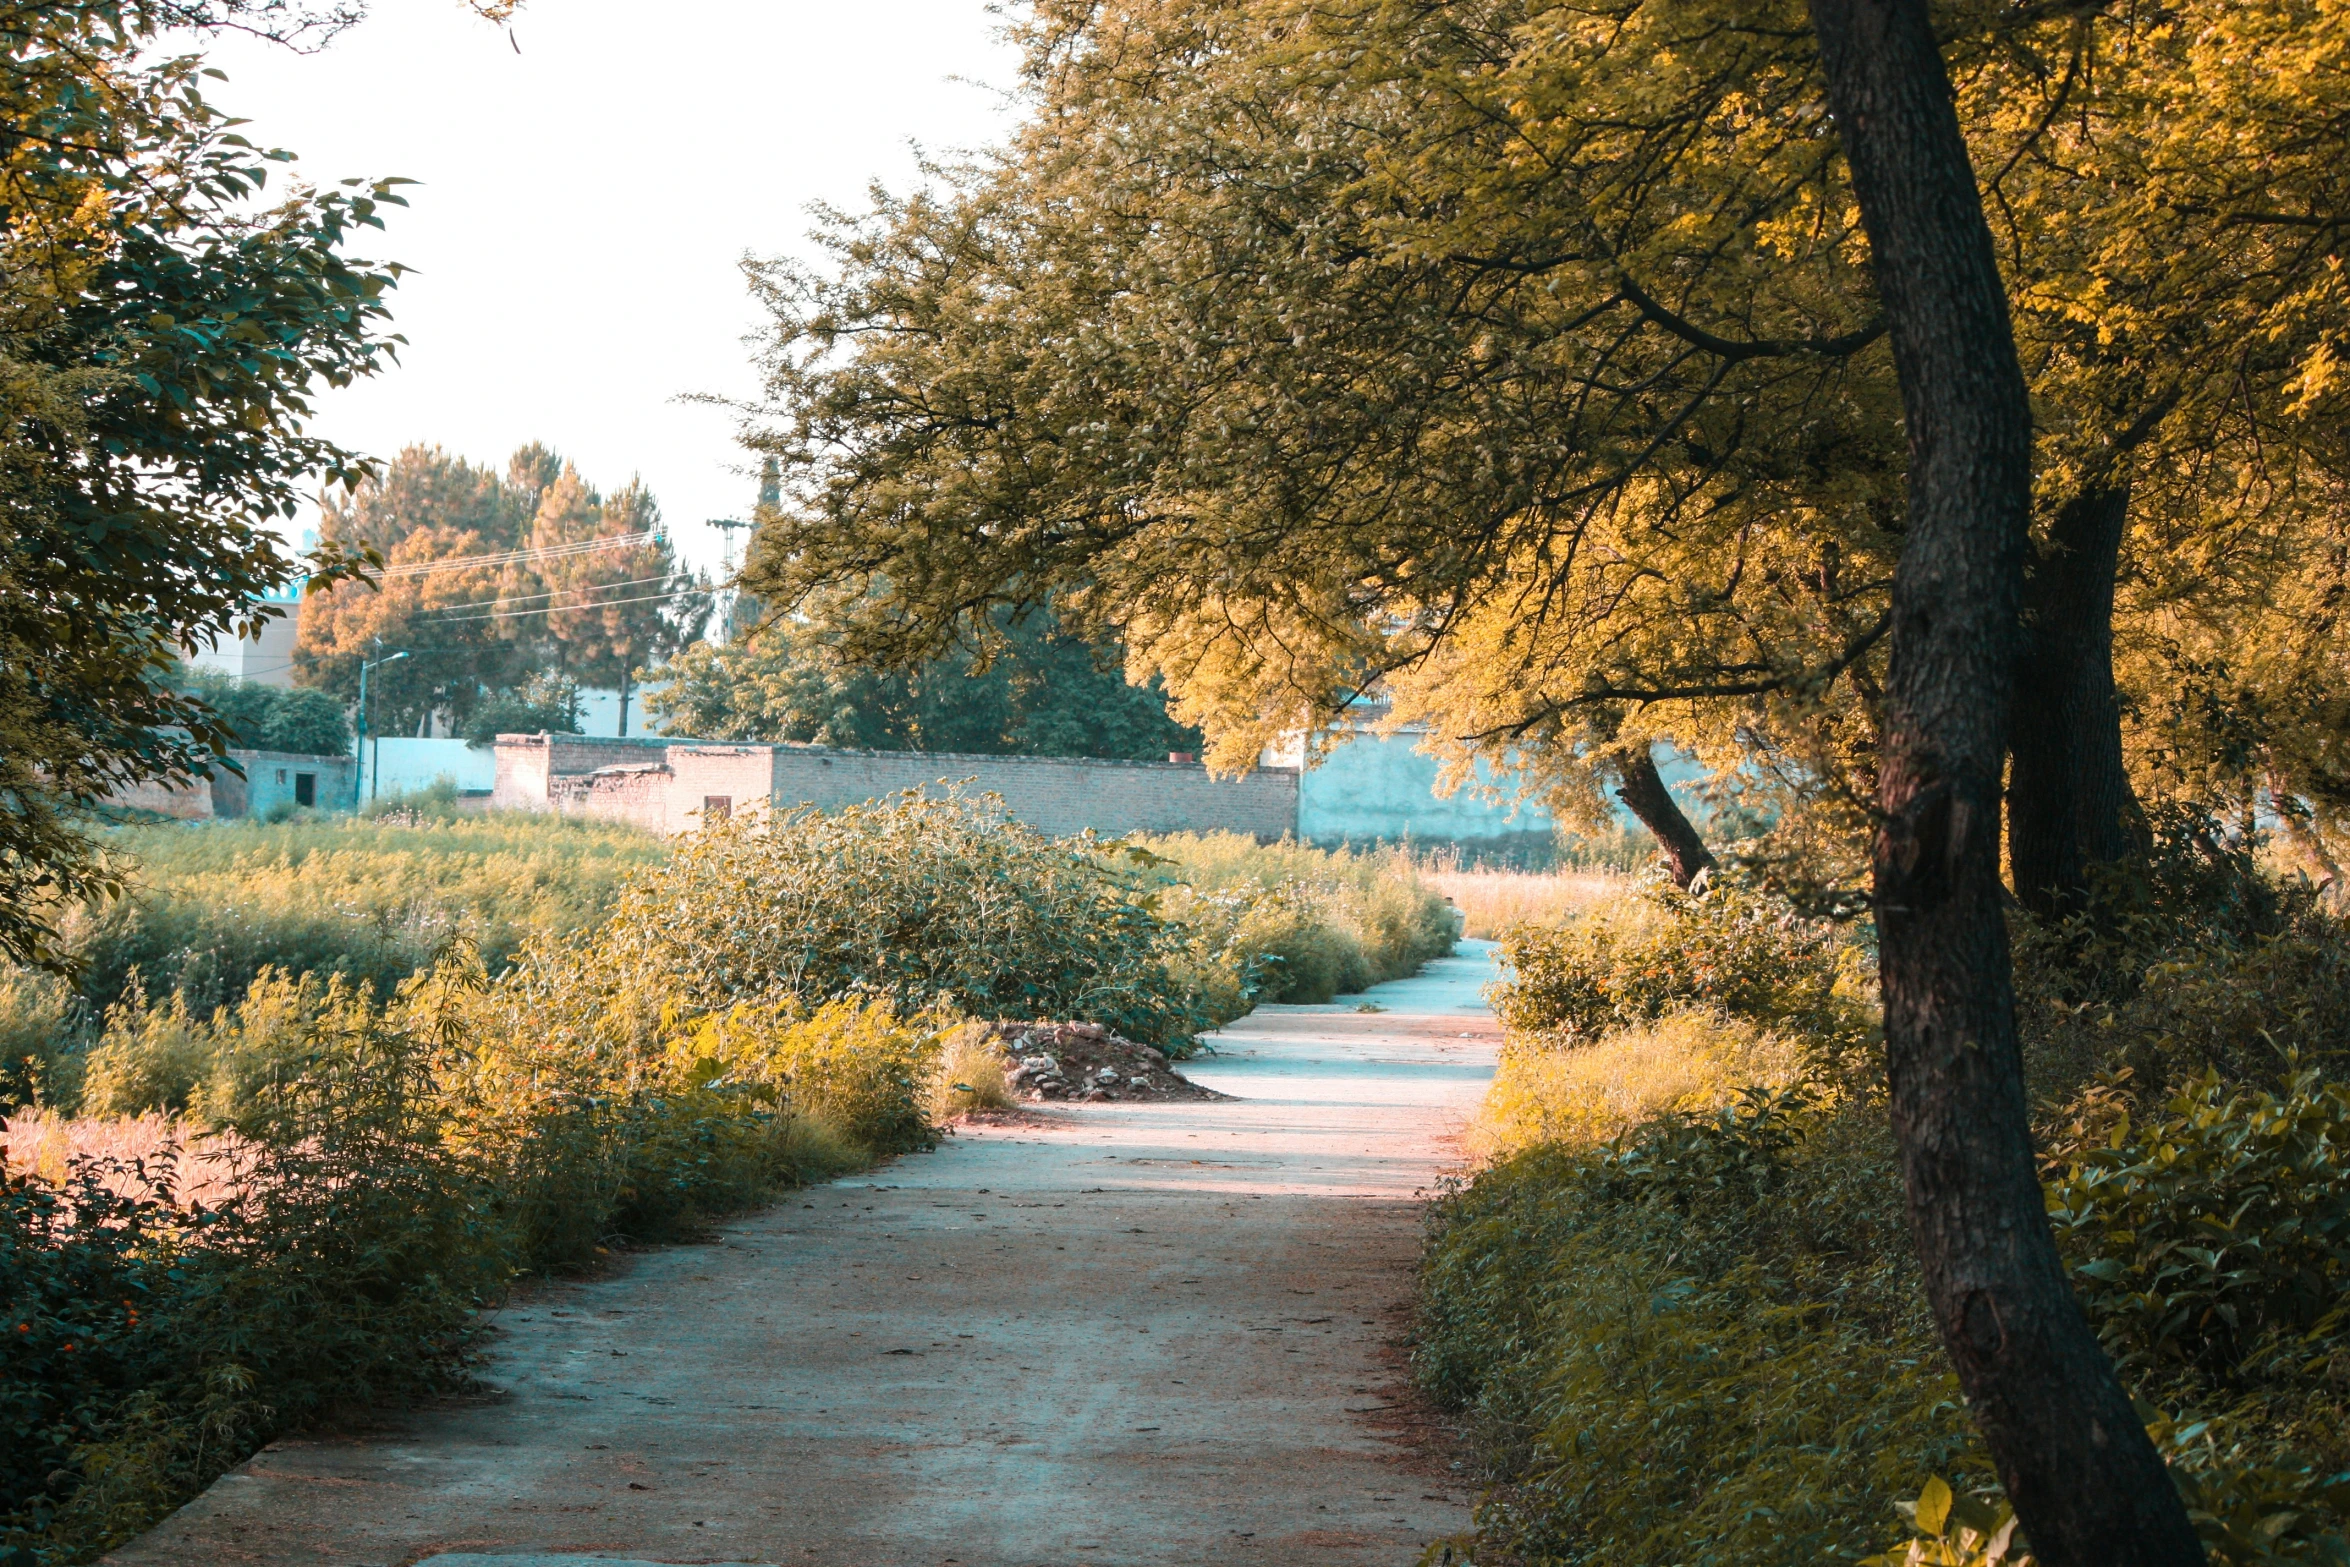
445	612
565	609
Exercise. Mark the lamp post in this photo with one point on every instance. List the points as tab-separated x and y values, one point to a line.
359	761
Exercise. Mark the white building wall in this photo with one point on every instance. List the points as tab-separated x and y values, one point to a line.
265	660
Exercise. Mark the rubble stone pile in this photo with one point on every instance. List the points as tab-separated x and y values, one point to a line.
1086	1062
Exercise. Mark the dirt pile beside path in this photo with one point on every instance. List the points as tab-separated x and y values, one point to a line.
1086	1062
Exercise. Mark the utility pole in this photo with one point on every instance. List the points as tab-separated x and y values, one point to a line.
727	527
359	747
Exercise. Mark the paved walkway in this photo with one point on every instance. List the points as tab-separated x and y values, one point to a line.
1130	1334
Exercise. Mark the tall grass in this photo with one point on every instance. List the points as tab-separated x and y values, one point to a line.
373	899
1686	1062
1491	901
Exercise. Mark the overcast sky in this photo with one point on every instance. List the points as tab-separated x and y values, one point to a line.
587	191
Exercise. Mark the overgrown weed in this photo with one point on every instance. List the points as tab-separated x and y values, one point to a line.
1681	1311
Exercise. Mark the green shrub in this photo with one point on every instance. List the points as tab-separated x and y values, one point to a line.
152	1345
2213	1226
38	1029
1704	1343
921	900
1290	923
275	718
392	1166
1662	950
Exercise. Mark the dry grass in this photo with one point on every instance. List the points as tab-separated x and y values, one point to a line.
969	1075
1690	1061
1492	901
43	1143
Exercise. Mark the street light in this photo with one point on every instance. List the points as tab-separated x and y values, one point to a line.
359	761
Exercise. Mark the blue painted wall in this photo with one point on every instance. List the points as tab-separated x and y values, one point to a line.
1383	788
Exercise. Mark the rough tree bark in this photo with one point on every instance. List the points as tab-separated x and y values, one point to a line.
1643	791
2086	1483
2070	806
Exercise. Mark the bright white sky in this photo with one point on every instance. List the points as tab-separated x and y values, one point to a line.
584	204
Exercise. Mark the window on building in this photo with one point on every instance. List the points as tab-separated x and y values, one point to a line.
305	788
281	776
717	807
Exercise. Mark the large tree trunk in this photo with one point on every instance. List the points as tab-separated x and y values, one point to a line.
1643	791
2070	807
2086	1483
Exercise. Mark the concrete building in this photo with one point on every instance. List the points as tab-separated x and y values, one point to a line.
1382	789
275	779
267	659
271	779
399	764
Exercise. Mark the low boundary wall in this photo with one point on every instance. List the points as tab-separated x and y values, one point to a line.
670	786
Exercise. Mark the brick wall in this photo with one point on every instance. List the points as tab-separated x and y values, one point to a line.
719	780
635	792
666	786
529	764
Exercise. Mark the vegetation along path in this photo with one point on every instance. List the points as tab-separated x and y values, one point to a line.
1131	1333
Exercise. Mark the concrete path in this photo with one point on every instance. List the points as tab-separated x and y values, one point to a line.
1130	1334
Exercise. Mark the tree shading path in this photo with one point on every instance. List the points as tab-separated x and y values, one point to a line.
1157	1333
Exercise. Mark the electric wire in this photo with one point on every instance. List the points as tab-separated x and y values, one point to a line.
446	611
565	609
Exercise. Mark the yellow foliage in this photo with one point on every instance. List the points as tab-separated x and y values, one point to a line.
1691	1061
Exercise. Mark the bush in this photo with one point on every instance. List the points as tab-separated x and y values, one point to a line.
389	1168
37	1031
545	705
1288	923
2216	1226
1684	1062
919	900
1701	1343
1705	1341
275	718
153	1344
1732	948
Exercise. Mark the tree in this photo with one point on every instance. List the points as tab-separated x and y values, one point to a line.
1042	693
273	718
426	508
2071	1452
544	704
602	613
1575	372
1537	330
162	335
